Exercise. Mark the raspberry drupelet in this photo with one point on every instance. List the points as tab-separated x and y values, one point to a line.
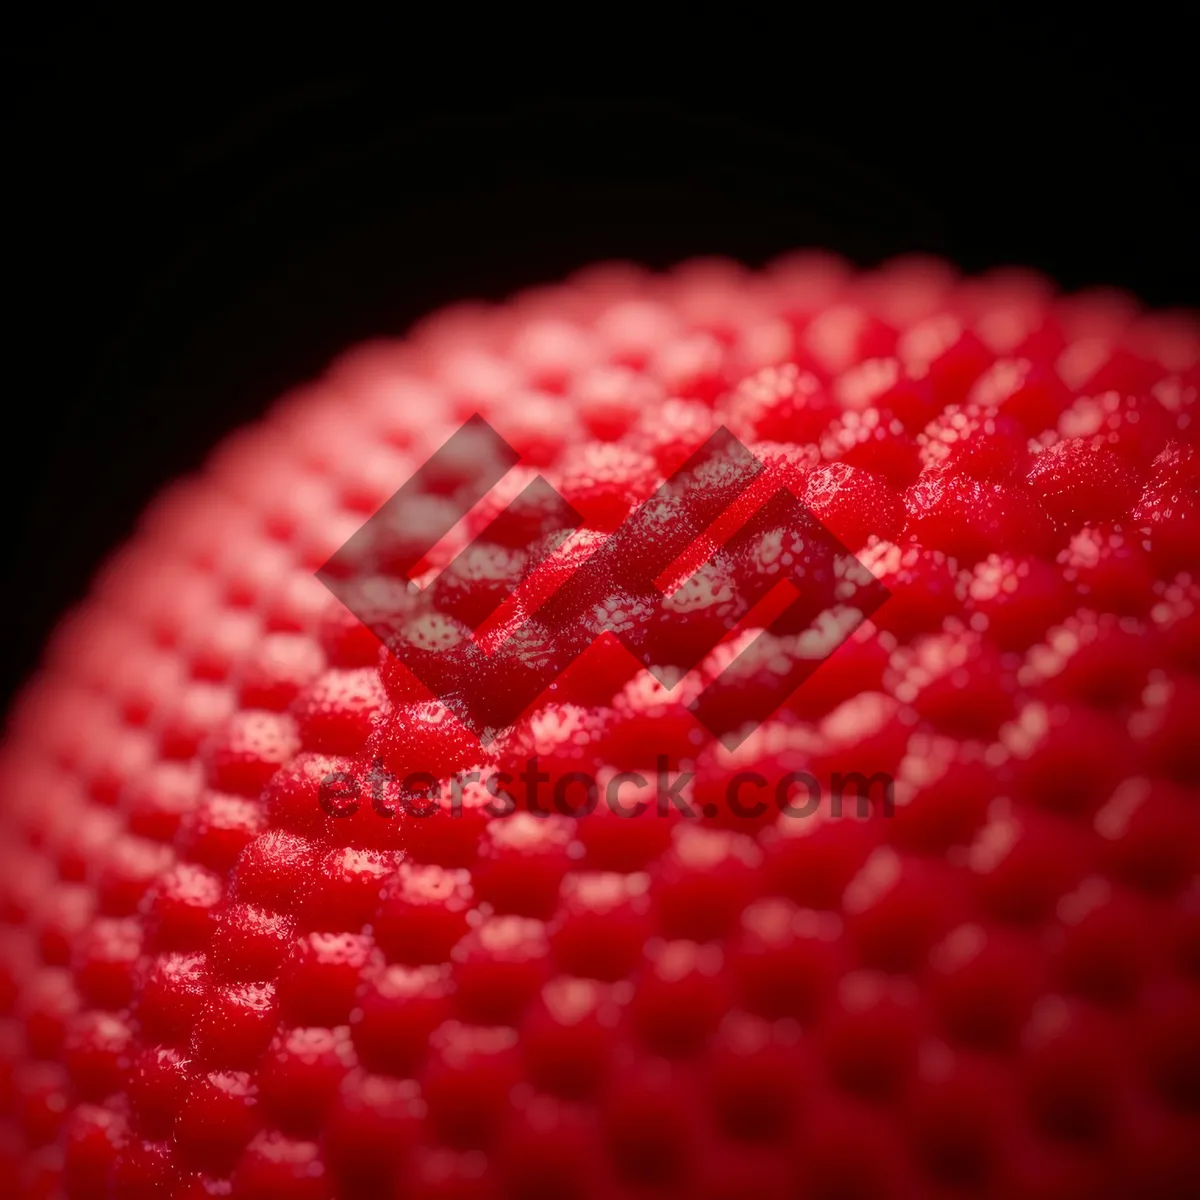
221	976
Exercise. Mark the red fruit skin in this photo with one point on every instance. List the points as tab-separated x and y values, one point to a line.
222	975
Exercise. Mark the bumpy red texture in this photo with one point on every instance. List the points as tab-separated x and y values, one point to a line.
210	986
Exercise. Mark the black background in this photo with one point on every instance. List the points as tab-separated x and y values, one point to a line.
197	218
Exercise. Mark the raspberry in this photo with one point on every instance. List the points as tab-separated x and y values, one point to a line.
1083	476
602	481
853	504
969	519
336	713
984	443
779	404
930	928
1027	391
1134	426
875	441
474	584
1169	507
888	387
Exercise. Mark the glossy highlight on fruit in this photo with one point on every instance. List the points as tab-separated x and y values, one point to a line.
211	984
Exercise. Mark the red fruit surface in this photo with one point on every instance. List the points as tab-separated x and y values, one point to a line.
222	974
